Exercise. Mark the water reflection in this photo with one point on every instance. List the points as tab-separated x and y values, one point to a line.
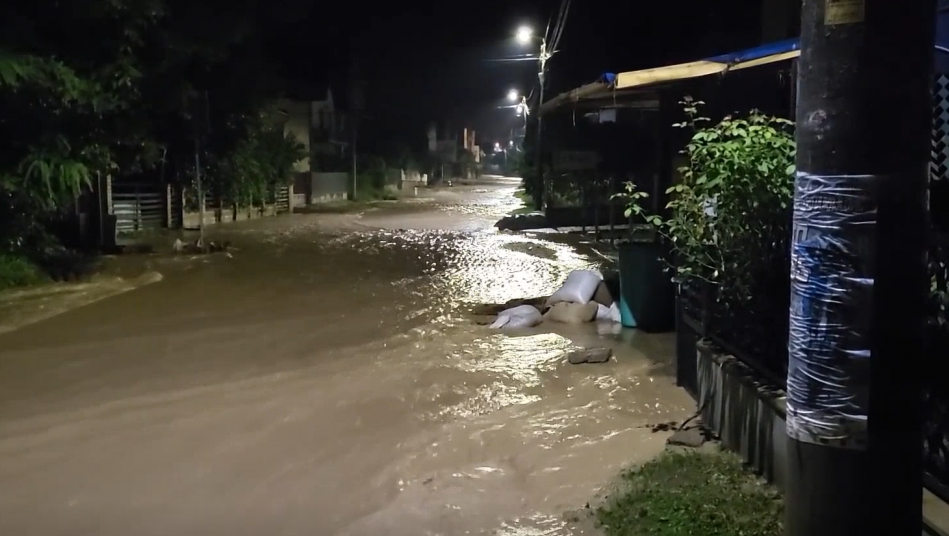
521	359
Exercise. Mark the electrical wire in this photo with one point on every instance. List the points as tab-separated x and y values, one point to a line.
561	24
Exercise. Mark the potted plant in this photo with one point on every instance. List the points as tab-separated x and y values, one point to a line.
647	298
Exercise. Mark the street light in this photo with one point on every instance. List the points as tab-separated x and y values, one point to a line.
524	35
512	95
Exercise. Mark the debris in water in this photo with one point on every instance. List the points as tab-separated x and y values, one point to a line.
590	355
199	246
663	427
693	437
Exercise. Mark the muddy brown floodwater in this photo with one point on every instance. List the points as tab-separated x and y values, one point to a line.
326	380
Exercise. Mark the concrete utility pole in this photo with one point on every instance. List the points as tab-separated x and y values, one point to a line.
541	196
356	108
201	122
859	278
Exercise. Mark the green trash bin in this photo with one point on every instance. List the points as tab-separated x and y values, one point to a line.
647	295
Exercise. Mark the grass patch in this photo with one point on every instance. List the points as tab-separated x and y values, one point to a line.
17	271
695	494
526	199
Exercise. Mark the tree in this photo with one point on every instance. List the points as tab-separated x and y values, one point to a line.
124	102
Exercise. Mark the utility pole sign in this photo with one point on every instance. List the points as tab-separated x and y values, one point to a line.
840	12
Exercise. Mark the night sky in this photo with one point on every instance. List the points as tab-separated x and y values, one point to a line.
439	61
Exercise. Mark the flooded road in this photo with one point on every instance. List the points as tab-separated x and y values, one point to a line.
327	380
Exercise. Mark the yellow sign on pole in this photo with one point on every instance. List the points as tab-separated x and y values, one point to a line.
844	12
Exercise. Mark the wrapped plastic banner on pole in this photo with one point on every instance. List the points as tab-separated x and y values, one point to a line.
832	259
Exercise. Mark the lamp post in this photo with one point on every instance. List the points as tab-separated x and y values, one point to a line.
524	36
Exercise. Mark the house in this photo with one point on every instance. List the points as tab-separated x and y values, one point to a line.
470	145
445	149
328	127
321	129
296	124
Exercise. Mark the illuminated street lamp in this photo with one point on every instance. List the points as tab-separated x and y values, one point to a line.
512	95
524	35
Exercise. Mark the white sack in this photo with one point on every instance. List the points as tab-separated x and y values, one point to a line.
610	313
522	316
579	287
615	315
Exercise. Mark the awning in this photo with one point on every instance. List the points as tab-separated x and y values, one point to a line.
631	81
624	85
752	57
602	93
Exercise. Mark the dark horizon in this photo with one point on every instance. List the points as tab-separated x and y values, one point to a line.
424	64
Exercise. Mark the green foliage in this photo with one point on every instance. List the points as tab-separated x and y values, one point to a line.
399	155
732	207
371	179
124	103
633	198
258	164
693	494
17	271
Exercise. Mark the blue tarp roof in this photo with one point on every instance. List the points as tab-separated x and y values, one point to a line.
788	45
942	38
752	57
763	51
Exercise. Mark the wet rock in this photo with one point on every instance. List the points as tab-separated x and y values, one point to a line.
589	355
693	437
523	222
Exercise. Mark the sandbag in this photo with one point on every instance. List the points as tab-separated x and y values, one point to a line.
579	287
603	296
522	316
605	313
571	313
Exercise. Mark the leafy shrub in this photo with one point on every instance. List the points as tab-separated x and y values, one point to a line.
261	161
731	211
16	271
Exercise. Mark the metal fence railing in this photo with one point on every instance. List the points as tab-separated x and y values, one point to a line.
935	374
138	206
